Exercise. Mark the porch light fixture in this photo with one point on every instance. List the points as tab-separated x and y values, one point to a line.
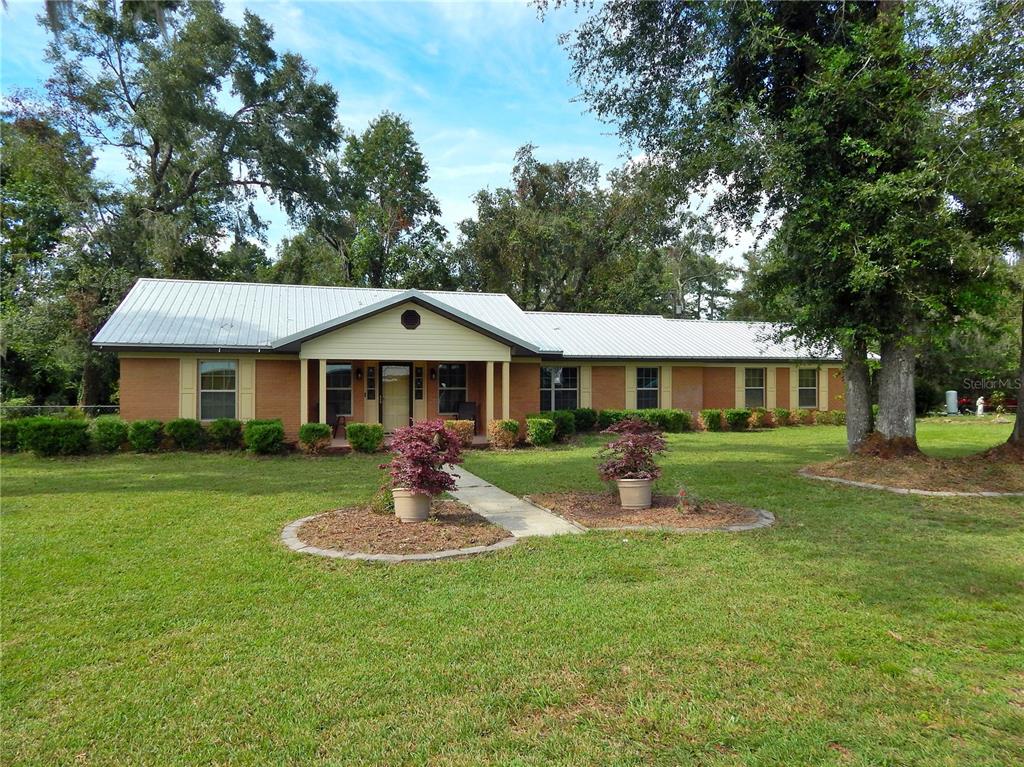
433	374
359	374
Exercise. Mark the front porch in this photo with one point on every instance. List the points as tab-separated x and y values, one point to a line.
392	393
341	445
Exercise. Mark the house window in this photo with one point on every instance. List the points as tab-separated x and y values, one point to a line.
417	383
451	387
218	389
371	382
559	388
807	388
646	388
754	387
339	390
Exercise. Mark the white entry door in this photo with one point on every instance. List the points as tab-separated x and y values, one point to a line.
395	396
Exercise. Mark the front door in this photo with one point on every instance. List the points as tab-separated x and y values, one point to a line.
394	389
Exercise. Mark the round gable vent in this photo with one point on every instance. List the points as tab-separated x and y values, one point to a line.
410	319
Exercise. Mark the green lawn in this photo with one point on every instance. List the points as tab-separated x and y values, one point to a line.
150	617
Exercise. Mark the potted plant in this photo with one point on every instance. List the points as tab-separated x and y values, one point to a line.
421	450
629	460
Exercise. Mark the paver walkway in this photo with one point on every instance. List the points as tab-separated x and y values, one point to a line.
514	514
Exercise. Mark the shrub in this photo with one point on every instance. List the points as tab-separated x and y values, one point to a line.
9	434
585	417
667	419
383	501
314	437
421	450
145	436
712	419
609	416
564	420
781	416
263	437
631	454
109	433
804	417
365	437
464	429
186	433
49	435
737	418
761	419
540	431
503	433
225	433
830	417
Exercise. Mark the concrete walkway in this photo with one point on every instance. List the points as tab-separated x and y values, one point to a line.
514	514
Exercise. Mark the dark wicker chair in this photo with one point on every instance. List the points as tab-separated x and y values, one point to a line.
467	412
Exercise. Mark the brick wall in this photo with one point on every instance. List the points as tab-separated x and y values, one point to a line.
688	388
524	389
149	388
782	387
608	385
719	387
836	389
277	393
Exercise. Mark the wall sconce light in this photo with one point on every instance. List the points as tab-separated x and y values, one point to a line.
433	374
359	374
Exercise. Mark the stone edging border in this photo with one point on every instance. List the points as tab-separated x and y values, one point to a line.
290	538
808	474
764	519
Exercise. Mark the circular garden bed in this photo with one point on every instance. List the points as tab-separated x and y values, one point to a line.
360	533
985	474
601	511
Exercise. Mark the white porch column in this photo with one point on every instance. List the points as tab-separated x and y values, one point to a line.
505	393
303	390
489	396
323	390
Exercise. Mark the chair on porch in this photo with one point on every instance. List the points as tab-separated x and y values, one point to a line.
467	412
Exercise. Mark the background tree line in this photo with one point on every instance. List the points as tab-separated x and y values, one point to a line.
875	147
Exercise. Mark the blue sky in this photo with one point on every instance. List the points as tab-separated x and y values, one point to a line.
475	80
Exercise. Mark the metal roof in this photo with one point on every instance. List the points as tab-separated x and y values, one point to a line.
188	314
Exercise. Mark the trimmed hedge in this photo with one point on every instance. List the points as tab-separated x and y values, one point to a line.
185	433
782	416
365	437
504	433
9	434
540	431
738	418
712	418
109	433
263	436
225	433
586	418
465	430
47	436
314	437
830	417
564	420
761	419
803	417
666	419
145	436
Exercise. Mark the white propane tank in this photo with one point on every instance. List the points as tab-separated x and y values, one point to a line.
951	403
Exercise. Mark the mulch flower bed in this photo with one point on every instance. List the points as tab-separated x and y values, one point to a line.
598	510
451	526
1000	472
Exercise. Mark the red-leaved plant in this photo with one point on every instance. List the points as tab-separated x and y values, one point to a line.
630	455
420	452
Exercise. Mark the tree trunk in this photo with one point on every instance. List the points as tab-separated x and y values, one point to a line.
858	395
1017	435
896	413
92	381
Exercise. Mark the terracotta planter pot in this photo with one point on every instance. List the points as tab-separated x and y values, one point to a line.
633	493
411	506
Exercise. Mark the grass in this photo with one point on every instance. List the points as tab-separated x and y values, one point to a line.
150	617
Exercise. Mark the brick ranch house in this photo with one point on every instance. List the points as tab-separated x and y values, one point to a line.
300	353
